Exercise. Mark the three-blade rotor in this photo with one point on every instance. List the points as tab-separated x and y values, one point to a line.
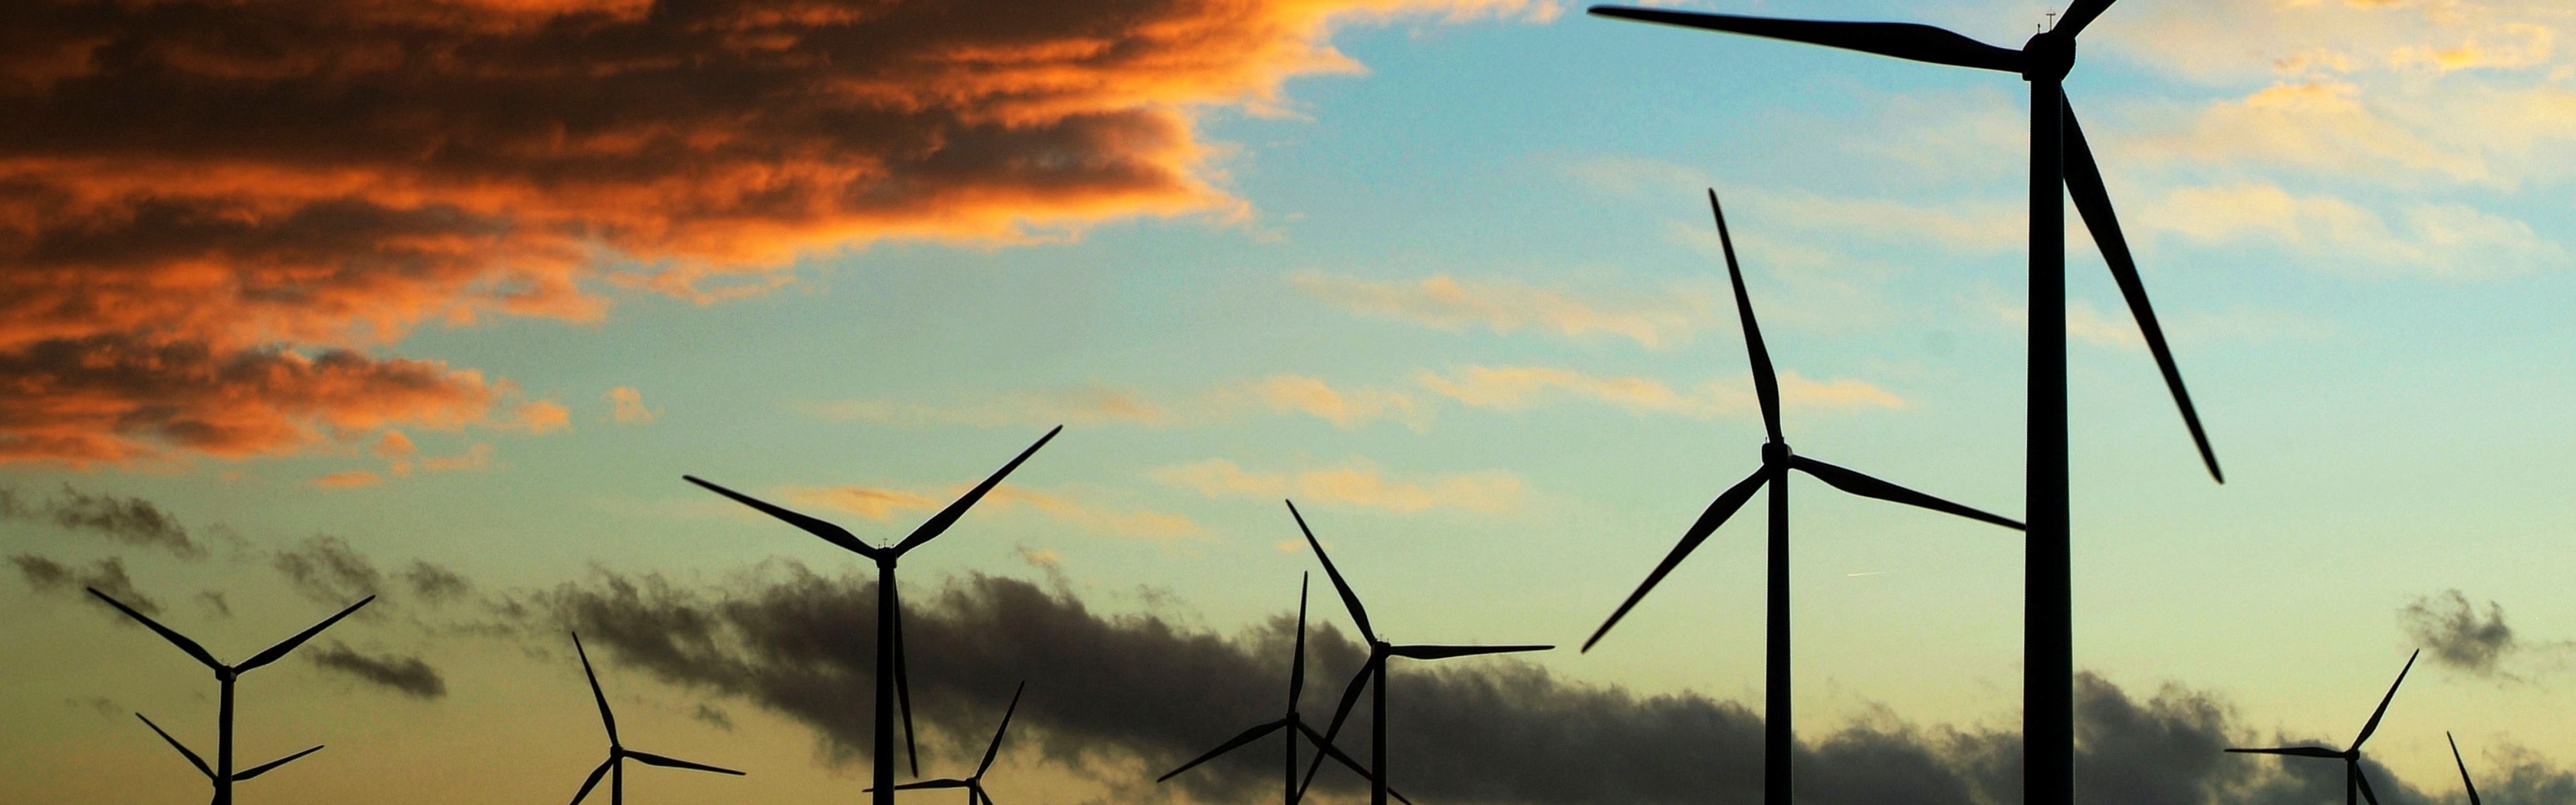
617	751
264	657
2354	780
2051	52
1777	459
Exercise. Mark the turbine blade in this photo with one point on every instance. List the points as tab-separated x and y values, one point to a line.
273	653
829	532
1902	40
903	685
1231	744
2364	780
199	762
1297	662
2300	751
2081	14
595	774
1725	505
1350	698
175	638
939	523
1350	600
1868	487
1766	383
2373	725
676	763
2093	202
606	718
264	767
2464	768
996	747
1432	652
1346	760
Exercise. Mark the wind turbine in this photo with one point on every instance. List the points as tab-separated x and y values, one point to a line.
2351	756
221	773
1293	722
615	766
2464	768
1777	461
2060	162
891	680
1372	674
974	783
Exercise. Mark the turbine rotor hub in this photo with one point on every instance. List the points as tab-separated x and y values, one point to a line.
2048	55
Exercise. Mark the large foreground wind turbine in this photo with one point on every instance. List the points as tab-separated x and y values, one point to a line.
2351	755
1777	461
891	681
221	773
974	783
1293	722
1372	674
2060	162
615	765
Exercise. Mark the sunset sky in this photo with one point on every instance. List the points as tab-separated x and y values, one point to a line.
305	300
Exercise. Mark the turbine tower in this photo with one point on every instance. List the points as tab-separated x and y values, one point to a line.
2464	768
974	783
2060	163
221	773
1777	461
1293	722
1372	674
615	766
891	681
2353	780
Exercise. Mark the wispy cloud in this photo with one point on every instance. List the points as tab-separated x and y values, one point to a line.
1508	306
1353	484
2426	239
1345	407
626	407
877	503
1522	387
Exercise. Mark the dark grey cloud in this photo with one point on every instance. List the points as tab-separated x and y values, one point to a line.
129	520
325	569
2459	638
435	584
215	603
1108	690
410	676
108	575
713	715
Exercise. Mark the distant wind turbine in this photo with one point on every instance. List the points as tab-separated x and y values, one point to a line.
221	773
2464	768
1372	674
2060	161
1294	722
2353	780
1777	461
974	783
891	680
615	766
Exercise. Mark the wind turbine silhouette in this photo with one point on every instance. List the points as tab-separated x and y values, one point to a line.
974	783
221	773
2464	767
1293	722
1372	674
2060	162
615	765
2351	755
1777	461
891	680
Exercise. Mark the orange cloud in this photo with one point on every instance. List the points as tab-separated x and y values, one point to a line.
1521	387
881	504
344	480
1351	485
1506	306
627	407
279	189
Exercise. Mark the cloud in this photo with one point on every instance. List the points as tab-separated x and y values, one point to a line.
131	520
189	194
1350	485
2424	239
1508	306
626	407
1111	693
107	575
410	676
434	583
327	570
1343	406
348	479
882	504
2459	638
1521	387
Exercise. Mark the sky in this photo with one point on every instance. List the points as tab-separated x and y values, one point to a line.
303	301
